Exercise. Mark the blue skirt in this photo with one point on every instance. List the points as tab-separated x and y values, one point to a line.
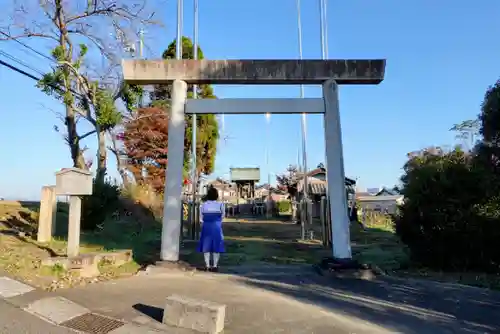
211	238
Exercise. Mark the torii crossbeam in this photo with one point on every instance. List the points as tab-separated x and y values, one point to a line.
328	73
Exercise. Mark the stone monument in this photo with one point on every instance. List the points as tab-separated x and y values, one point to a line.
74	182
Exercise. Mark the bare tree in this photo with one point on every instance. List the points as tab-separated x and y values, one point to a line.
78	32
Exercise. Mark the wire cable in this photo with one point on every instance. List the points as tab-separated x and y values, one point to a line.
34	77
18	70
28	47
20	62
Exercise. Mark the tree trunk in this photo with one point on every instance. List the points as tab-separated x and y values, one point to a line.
119	165
73	140
101	155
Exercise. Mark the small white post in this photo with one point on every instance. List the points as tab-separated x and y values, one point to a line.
171	229
75	212
341	242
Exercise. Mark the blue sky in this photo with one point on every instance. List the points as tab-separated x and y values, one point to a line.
441	57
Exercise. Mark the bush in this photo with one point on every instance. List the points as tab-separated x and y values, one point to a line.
448	219
103	202
146	197
284	206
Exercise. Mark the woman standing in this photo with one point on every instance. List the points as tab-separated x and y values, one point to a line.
211	242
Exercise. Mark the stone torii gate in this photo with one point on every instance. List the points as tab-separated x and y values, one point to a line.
328	73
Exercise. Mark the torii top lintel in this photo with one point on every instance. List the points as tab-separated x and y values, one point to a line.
272	72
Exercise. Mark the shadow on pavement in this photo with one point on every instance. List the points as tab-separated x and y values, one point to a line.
153	312
407	306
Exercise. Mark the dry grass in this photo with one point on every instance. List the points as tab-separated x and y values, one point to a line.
145	197
21	254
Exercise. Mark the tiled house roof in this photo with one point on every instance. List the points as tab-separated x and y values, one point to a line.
386	192
314	172
317	188
220	184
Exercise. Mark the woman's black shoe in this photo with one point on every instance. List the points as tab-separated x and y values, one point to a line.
214	269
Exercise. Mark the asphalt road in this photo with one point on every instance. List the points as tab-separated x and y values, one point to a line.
15	320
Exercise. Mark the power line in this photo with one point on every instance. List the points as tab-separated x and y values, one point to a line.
18	70
28	47
31	76
37	79
5	54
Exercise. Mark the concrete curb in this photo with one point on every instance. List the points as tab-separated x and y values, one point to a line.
11	288
65	313
56	310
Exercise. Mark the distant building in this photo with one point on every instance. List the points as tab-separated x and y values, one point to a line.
372	191
226	189
376	192
316	184
245	179
386	192
383	203
262	191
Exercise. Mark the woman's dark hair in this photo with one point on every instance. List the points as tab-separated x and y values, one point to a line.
212	194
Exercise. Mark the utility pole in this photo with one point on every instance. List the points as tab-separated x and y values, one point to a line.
303	128
141	43
141	55
268	135
195	95
178	46
325	26
322	19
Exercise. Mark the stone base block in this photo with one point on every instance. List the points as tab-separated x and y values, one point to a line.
178	265
86	265
83	265
346	268
199	315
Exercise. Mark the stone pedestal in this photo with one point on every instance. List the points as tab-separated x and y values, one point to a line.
47	218
75	212
74	182
198	315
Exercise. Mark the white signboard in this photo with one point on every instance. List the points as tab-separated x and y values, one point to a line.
245	174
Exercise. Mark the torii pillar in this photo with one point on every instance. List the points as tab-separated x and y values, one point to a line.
329	73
